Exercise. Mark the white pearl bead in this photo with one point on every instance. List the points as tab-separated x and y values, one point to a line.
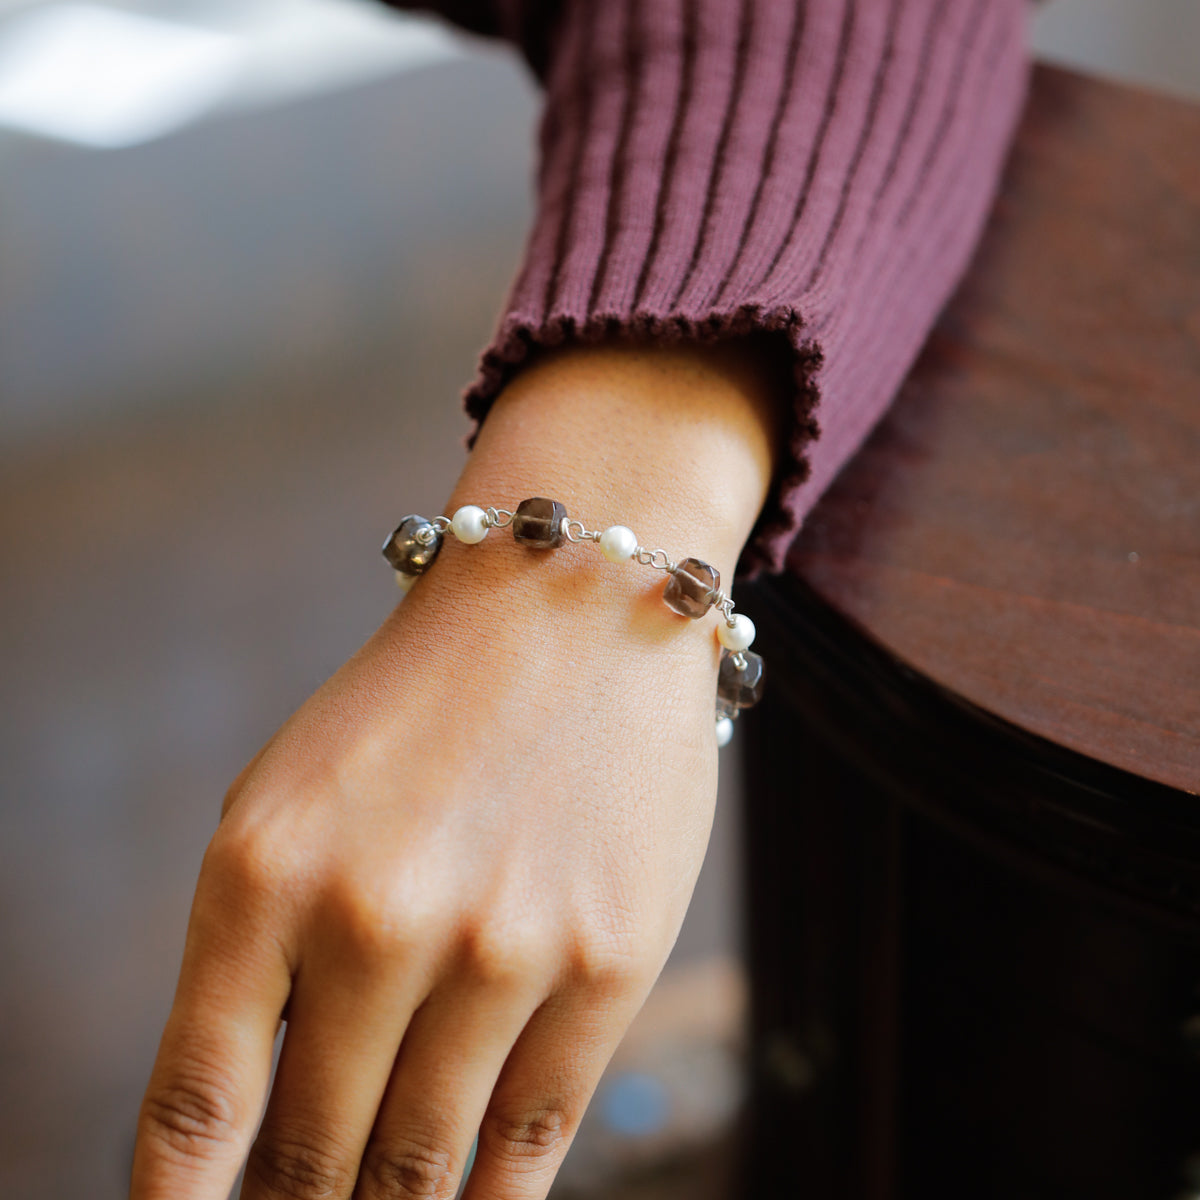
617	543
404	582
724	731
739	636
469	524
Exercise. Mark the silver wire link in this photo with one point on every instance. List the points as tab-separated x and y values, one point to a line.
724	604
441	524
583	535
655	558
739	660
498	518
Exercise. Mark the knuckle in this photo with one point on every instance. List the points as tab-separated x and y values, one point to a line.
190	1117
232	794
246	866
505	957
366	923
298	1169
238	786
407	1169
607	958
230	798
529	1136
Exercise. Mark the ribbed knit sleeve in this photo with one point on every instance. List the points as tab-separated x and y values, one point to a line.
817	169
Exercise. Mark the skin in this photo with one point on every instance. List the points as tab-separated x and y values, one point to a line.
459	867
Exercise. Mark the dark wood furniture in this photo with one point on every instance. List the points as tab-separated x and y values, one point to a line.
974	827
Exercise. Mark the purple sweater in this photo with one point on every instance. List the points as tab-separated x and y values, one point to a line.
817	169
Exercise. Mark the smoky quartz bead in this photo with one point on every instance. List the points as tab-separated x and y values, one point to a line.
740	686
538	523
413	546
692	588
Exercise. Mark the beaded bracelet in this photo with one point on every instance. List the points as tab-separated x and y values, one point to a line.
541	524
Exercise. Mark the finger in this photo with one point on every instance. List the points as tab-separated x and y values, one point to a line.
543	1090
448	1064
346	1017
214	1061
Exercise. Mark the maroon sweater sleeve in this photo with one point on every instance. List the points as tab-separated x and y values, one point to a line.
818	169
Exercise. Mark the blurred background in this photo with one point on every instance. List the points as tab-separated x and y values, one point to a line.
248	254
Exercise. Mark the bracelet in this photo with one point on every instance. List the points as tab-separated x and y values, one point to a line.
693	588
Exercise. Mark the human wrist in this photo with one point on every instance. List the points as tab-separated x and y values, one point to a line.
541	525
680	443
677	442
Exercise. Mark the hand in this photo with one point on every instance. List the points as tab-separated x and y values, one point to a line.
457	870
461	865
